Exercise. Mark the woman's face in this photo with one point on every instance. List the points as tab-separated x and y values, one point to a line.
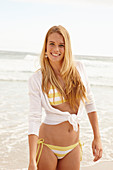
55	47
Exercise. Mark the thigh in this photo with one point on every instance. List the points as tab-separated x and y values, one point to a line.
70	161
48	160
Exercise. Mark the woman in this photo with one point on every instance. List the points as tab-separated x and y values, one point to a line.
61	87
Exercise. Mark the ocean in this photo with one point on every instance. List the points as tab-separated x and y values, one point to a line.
15	70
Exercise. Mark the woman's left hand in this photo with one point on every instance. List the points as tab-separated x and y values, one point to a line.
97	149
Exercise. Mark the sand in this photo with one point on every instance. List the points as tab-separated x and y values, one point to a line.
108	165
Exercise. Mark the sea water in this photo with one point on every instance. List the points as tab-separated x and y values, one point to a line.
15	70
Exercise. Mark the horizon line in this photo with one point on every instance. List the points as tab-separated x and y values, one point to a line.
37	53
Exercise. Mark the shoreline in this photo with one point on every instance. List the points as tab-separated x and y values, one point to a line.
99	166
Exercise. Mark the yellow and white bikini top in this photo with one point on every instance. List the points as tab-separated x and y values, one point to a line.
55	97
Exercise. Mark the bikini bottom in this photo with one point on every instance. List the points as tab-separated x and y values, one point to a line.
59	151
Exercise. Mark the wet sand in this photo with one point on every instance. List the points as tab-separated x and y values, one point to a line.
100	166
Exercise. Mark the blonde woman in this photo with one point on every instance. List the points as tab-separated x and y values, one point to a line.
61	87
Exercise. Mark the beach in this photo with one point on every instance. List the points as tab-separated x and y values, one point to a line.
15	70
100	166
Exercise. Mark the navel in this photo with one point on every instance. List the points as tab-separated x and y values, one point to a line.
69	130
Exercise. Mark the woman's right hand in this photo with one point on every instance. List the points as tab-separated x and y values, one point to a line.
32	165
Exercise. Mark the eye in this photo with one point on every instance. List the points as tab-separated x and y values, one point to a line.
61	45
51	44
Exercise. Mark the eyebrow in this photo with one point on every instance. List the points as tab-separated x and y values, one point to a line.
54	42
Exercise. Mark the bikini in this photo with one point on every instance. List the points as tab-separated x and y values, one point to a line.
40	100
55	98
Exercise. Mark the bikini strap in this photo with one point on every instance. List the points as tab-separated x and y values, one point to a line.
81	149
40	145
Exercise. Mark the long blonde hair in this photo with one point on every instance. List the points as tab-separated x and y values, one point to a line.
74	89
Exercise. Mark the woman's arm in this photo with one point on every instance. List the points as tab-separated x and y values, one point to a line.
92	114
32	151
35	114
32	147
35	106
96	144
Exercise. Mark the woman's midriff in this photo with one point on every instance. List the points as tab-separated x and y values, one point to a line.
61	134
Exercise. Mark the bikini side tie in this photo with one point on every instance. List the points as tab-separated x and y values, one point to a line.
81	151
40	145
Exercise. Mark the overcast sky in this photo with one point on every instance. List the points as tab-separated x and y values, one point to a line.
24	23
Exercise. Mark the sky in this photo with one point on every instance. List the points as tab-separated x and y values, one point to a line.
24	24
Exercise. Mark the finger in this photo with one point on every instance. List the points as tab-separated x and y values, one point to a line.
98	156
100	153
97	152
93	149
95	159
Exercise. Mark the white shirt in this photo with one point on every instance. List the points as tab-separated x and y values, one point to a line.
39	100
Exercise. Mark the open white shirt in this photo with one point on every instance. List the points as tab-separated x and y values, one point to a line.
39	100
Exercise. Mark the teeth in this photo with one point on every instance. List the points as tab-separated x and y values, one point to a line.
56	54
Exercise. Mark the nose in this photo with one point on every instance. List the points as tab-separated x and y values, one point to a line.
56	49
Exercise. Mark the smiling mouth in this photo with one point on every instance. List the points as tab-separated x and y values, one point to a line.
55	55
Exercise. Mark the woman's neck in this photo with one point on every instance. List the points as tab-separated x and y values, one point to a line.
56	67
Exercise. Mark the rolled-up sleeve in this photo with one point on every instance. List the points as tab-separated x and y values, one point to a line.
90	104
35	108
